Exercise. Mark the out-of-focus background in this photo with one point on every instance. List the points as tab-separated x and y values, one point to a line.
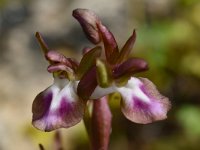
168	37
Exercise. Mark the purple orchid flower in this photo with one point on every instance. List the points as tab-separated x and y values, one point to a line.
59	105
64	102
141	102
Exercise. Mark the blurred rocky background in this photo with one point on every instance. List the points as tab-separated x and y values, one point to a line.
168	37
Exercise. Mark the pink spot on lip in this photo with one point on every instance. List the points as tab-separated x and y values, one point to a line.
139	104
65	107
61	112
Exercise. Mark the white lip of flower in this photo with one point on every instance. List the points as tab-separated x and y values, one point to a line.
66	88
133	87
62	109
141	102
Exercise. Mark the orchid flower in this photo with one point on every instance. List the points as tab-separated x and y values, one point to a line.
141	102
62	105
59	105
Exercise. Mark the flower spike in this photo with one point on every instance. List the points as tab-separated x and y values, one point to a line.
62	105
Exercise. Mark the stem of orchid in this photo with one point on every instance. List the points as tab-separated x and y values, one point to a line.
99	124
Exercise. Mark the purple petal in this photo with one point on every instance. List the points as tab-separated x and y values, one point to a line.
88	21
57	107
130	67
142	103
110	44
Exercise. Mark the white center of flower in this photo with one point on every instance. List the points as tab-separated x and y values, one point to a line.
133	89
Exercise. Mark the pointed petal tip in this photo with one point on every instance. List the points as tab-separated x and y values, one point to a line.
42	43
126	50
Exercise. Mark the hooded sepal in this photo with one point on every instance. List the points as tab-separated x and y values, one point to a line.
88	20
142	103
57	107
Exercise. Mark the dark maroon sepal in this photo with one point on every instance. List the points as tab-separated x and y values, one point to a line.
125	52
110	44
130	67
87	84
88	21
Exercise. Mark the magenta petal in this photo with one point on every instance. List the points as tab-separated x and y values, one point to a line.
142	103
57	107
